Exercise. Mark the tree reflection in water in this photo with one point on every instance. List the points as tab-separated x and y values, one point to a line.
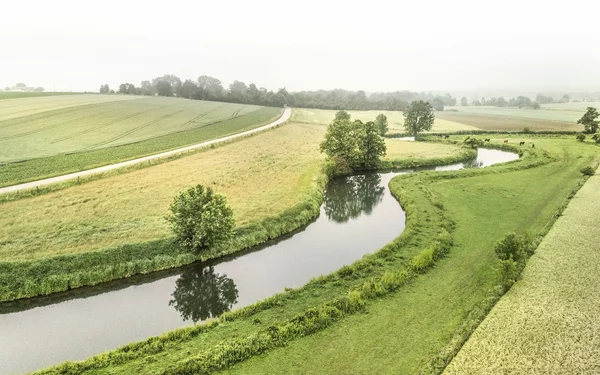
200	293
347	198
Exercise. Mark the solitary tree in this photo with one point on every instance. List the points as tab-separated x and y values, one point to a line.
200	219
437	104
464	102
589	120
104	89
342	115
418	117
382	124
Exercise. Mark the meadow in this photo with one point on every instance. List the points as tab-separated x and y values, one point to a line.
543	324
405	309
107	133
263	177
395	119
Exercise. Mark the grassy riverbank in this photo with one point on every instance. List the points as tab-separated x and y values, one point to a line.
542	325
114	227
389	312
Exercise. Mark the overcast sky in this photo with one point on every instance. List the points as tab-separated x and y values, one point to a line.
370	45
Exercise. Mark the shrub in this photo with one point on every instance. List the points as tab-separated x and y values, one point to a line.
580	137
526	130
587	171
473	142
512	247
200	219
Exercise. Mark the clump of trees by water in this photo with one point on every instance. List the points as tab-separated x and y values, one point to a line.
352	145
210	88
200	218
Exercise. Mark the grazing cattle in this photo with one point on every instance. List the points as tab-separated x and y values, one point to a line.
532	145
506	141
446	136
486	140
521	143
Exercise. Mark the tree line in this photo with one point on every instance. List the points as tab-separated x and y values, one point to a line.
210	88
519	101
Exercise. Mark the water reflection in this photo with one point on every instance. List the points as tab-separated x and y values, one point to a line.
200	293
347	198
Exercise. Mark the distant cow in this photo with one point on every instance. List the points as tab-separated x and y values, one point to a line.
506	141
446	136
521	143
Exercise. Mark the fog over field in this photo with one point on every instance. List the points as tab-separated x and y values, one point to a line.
465	47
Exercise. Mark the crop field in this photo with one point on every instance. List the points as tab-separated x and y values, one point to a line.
163	133
17	95
88	126
545	324
409	317
27	105
261	176
395	119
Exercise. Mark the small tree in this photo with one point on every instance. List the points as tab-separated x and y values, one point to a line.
200	219
588	120
418	117
464	102
382	124
342	115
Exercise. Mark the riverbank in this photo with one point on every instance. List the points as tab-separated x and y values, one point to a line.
267	204
490	190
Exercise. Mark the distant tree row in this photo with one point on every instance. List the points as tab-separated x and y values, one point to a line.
210	88
519	101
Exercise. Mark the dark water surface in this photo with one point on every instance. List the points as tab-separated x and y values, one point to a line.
358	217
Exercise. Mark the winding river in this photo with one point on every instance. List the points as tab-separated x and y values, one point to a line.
358	217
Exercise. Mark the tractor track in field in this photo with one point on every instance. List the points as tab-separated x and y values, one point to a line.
131	131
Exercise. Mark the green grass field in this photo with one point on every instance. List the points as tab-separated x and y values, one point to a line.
545	324
395	119
404	329
87	136
17	95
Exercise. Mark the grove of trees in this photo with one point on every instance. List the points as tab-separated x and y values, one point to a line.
352	145
210	88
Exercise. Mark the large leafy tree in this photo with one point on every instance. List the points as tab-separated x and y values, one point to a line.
418	117
341	143
200	218
382	124
371	145
164	88
588	120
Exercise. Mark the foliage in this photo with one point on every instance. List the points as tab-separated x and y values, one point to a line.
104	89
418	117
352	145
596	137
588	120
474	142
200	219
588	170
580	137
382	124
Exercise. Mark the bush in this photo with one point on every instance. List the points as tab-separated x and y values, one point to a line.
200	219
587	171
473	142
527	130
512	247
580	137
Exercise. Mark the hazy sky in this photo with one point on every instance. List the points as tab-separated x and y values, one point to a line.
370	45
